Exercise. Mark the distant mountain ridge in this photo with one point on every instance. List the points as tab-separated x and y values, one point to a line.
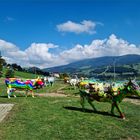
96	62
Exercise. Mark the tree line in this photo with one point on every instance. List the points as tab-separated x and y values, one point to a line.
11	68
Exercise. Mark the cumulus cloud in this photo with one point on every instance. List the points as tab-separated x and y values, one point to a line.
11	52
98	48
35	55
86	26
38	54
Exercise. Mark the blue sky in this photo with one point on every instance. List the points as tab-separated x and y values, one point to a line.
47	33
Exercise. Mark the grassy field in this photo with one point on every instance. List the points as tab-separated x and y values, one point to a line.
61	118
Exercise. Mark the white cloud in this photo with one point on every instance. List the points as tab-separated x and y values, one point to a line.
86	26
35	55
38	54
11	53
7	46
98	48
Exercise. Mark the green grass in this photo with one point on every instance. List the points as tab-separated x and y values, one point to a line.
61	118
22	74
59	87
25	75
57	118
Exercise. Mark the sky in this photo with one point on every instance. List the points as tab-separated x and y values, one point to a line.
48	33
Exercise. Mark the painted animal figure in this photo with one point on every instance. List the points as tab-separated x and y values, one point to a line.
51	80
37	83
131	88
85	83
15	84
66	79
73	82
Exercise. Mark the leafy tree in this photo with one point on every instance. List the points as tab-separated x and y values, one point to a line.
46	73
9	72
16	67
2	62
63	75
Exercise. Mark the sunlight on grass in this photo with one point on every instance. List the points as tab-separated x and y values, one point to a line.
62	118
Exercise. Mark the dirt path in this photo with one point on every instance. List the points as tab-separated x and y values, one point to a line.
60	94
134	101
50	95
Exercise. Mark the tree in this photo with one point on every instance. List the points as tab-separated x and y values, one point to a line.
63	75
16	67
2	62
9	72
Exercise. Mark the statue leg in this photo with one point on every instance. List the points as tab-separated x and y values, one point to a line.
74	86
32	94
13	91
82	99
112	108
51	84
82	102
90	102
26	93
120	111
8	92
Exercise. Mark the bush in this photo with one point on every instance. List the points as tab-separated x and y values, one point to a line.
9	73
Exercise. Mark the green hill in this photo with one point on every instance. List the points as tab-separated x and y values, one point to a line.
96	62
21	74
106	67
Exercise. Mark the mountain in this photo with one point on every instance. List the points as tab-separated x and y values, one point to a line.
96	62
33	69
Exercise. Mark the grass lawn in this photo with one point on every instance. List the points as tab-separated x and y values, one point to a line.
61	119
